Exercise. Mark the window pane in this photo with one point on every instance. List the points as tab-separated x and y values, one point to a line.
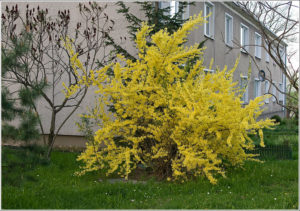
255	88
274	93
280	94
208	20
266	90
242	36
173	8
245	36
207	26
227	30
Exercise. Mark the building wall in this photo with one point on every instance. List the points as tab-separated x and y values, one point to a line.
215	48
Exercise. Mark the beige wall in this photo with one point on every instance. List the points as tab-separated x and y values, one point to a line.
216	49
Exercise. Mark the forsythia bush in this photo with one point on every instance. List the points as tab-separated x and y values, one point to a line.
178	123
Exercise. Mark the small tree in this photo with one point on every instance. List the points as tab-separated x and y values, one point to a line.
156	15
11	108
178	123
47	61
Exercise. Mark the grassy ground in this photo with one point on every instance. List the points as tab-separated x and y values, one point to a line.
27	184
29	181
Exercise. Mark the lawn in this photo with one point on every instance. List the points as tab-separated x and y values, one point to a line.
33	183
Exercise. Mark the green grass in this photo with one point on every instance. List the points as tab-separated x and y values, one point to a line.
269	185
285	133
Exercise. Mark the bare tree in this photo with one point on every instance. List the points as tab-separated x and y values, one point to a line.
48	61
277	25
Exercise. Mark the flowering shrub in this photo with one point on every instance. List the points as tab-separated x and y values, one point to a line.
179	123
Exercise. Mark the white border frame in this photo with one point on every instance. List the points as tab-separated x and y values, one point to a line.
228	44
212	36
267	55
266	91
246	93
247	45
256	45
274	90
258	88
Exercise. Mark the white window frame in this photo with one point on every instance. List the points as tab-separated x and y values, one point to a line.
273	53
186	13
257	87
230	36
274	92
281	89
244	42
174	6
267	55
211	20
257	45
163	5
245	97
282	54
267	87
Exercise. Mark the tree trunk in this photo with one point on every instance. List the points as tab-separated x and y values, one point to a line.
288	113
51	135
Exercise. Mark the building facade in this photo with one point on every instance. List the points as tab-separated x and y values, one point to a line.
229	34
228	29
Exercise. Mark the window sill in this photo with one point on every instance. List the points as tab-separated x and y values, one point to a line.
210	37
229	45
258	57
243	51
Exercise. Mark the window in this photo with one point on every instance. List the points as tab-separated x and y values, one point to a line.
244	87
228	29
186	13
274	92
208	71
282	90
267	86
167	4
282	54
174	7
267	56
244	38
273	53
267	53
209	26
257	45
257	88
